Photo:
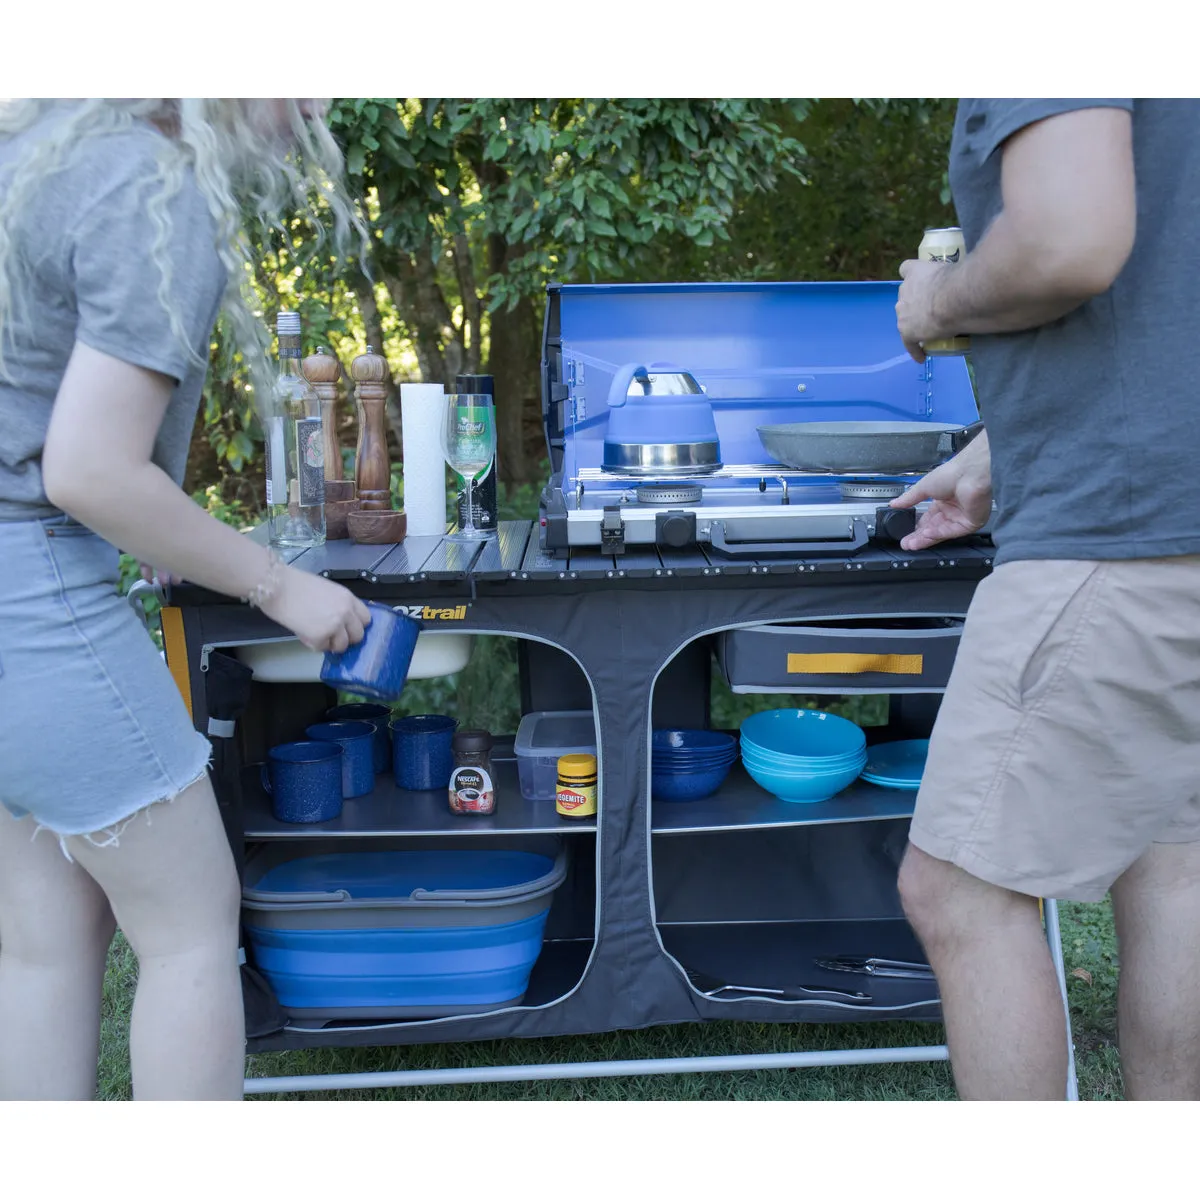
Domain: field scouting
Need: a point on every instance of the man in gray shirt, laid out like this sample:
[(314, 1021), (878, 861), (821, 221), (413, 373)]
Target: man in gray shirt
[(1066, 757)]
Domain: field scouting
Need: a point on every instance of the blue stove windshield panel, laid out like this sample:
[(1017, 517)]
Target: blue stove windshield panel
[(765, 353)]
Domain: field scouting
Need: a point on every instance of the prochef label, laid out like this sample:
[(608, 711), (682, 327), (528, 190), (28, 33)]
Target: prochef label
[(471, 790)]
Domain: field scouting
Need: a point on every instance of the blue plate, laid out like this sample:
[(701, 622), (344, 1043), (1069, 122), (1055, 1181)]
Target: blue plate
[(897, 764)]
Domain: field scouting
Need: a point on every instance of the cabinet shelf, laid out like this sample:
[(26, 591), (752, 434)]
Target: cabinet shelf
[(390, 811), (740, 803)]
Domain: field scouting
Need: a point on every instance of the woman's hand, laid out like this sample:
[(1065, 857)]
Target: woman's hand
[(322, 614), (151, 574)]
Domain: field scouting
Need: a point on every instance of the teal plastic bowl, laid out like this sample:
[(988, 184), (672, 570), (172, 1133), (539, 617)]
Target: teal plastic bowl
[(804, 732), (798, 762), (802, 789), (799, 769)]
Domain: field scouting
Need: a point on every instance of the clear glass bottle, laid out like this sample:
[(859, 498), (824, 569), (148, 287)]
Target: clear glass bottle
[(295, 450)]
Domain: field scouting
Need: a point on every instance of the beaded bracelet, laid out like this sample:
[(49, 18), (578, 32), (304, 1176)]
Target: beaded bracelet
[(264, 592)]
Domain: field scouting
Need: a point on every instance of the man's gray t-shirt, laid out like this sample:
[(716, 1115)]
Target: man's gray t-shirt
[(1093, 419), (89, 240)]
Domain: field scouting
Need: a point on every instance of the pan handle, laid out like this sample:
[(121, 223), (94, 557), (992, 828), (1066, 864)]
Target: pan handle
[(716, 539), (955, 441)]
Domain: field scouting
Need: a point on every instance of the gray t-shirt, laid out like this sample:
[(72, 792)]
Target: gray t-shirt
[(1093, 419), (89, 239)]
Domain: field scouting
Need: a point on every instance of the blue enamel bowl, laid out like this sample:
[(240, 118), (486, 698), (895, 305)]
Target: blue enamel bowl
[(692, 786), (658, 767), (688, 741), (689, 758)]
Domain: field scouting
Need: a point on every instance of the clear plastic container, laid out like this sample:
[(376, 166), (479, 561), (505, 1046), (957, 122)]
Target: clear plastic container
[(542, 739)]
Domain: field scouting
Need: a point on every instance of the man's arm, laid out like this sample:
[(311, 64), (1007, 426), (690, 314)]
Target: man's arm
[(1066, 229)]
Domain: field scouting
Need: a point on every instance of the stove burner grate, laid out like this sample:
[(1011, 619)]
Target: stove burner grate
[(871, 489), (669, 493)]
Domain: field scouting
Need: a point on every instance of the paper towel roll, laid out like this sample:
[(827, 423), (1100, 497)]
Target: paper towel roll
[(421, 407)]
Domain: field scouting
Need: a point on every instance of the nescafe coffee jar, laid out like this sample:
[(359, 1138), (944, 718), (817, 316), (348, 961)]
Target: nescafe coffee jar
[(472, 789)]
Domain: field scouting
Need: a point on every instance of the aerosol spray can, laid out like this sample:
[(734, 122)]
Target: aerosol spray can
[(487, 509), (948, 246)]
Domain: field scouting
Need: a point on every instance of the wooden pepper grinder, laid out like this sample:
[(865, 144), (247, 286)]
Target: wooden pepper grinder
[(375, 522), (323, 371)]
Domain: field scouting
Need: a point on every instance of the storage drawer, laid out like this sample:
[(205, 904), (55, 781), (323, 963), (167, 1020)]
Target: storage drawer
[(901, 654)]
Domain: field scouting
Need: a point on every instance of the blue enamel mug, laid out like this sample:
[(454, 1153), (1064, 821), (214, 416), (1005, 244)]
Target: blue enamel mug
[(378, 666), (423, 751), (357, 740), (380, 716), (304, 780)]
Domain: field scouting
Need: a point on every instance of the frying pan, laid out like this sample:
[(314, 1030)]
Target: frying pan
[(865, 447)]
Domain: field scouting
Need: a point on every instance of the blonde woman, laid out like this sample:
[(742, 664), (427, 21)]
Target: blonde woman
[(119, 243)]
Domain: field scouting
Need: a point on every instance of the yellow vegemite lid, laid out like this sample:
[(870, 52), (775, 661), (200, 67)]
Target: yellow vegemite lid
[(577, 766)]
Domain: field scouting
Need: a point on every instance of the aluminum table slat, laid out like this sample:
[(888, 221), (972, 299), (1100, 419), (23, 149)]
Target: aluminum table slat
[(537, 564), (343, 559), (641, 563), (587, 563), (687, 560), (405, 562), (502, 556), (451, 560)]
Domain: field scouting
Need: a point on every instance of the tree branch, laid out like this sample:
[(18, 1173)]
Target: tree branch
[(472, 329), (404, 287)]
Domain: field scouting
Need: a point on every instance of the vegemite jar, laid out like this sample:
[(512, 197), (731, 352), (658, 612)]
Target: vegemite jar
[(575, 795)]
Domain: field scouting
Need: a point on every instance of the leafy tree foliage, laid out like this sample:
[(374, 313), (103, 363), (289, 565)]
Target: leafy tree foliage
[(473, 205)]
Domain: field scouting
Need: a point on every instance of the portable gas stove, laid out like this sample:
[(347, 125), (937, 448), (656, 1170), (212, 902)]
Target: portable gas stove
[(752, 511), (761, 354)]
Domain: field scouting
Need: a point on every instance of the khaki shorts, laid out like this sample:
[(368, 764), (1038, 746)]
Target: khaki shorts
[(1068, 740)]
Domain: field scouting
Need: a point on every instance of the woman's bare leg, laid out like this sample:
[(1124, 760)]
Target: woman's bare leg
[(172, 884), (55, 929)]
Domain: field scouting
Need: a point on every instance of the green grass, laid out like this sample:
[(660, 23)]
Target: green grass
[(1088, 944)]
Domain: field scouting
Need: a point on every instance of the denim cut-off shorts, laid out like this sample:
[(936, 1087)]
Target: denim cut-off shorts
[(92, 727)]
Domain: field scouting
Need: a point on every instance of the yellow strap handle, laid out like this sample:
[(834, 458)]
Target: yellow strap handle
[(855, 664)]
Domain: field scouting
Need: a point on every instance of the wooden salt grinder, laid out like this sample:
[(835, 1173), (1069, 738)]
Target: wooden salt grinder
[(375, 522)]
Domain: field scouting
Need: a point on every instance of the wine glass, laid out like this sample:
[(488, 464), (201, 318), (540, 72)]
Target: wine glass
[(469, 445)]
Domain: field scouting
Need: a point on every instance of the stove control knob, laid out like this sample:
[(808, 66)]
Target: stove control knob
[(675, 527), (894, 523)]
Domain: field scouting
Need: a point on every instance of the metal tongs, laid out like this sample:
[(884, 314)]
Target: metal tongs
[(712, 986), (883, 968)]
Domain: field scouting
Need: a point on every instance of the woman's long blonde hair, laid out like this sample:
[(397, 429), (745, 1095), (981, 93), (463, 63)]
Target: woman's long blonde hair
[(244, 169)]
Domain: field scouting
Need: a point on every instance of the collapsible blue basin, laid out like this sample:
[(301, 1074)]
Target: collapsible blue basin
[(398, 933)]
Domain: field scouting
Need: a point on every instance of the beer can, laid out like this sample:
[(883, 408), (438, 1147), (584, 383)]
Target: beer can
[(944, 245)]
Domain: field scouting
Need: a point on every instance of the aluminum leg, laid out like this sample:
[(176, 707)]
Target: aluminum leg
[(1054, 937), (595, 1070)]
